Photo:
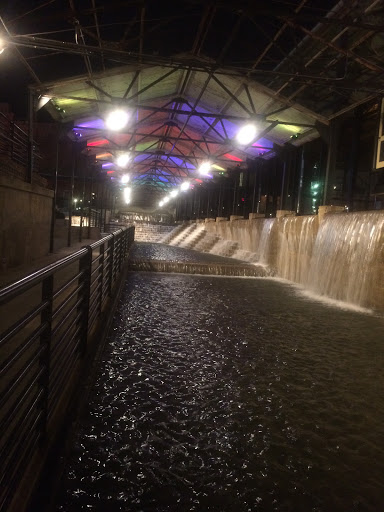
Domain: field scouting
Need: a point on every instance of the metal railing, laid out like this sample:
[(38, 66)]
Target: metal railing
[(47, 320), (14, 144)]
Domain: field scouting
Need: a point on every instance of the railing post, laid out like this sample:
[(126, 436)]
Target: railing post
[(101, 275), (86, 268), (111, 262), (45, 341)]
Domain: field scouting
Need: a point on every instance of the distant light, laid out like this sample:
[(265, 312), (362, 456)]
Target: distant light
[(174, 193), (204, 168), (117, 120), (161, 203), (125, 178), (246, 134), (184, 186), (218, 167), (165, 200), (123, 159), (127, 195)]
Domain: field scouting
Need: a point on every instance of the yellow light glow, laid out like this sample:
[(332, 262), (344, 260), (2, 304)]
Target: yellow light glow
[(103, 155), (217, 167)]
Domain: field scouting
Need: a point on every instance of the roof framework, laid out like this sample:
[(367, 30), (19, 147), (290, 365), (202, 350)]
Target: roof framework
[(191, 73)]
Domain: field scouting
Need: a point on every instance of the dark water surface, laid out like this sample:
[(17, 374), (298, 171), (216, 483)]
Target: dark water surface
[(220, 394)]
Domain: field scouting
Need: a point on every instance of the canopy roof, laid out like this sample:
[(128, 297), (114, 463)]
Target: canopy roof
[(191, 73)]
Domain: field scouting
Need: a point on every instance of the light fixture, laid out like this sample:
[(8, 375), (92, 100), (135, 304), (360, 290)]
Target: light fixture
[(124, 178), (246, 134), (174, 193), (127, 195), (117, 119), (123, 159), (161, 203), (184, 186), (204, 168)]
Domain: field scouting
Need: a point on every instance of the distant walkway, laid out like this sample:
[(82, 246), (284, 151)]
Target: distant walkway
[(15, 274)]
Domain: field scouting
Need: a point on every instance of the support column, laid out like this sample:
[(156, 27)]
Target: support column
[(331, 158)]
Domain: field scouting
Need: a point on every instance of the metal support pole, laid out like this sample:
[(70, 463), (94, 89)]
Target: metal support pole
[(53, 218), (332, 156), (31, 115), (70, 209)]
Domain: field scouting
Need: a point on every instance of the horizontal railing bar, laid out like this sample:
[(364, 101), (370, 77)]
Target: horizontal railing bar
[(7, 492), (12, 331), (15, 355), (65, 318), (70, 297), (61, 347), (28, 282), (10, 446), (21, 399), (19, 377), (62, 288)]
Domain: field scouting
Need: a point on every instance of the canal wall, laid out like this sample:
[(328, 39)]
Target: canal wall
[(335, 254)]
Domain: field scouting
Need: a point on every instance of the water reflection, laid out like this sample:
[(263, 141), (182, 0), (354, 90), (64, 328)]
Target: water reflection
[(231, 395)]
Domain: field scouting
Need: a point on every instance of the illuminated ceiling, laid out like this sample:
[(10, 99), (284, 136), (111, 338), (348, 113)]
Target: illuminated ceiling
[(192, 73)]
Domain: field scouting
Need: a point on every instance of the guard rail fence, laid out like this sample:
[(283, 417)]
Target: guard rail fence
[(48, 324)]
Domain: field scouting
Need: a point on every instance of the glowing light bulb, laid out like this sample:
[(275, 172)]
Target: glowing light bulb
[(125, 179), (117, 120), (123, 159), (204, 168), (174, 193), (161, 203), (184, 186), (246, 134)]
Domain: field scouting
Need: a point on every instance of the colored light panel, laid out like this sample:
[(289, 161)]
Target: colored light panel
[(233, 157), (98, 142)]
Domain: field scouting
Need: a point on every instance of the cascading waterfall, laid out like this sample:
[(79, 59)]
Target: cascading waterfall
[(342, 259), (296, 237), (348, 258)]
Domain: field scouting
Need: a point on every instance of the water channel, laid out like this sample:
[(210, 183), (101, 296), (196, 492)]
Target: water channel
[(231, 394)]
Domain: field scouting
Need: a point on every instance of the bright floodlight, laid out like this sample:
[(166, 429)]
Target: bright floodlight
[(117, 120), (204, 168), (246, 134), (161, 203), (127, 195), (123, 159), (184, 186), (125, 178), (174, 193), (165, 200)]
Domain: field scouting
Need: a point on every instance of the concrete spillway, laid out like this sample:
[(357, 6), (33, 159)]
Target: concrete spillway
[(341, 257)]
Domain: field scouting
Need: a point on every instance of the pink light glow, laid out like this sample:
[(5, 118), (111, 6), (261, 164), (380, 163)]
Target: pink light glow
[(98, 142), (232, 157)]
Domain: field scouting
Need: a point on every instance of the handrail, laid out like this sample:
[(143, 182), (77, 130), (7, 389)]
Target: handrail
[(58, 307)]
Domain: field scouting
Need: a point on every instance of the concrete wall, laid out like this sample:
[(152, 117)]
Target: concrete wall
[(151, 232), (25, 220)]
